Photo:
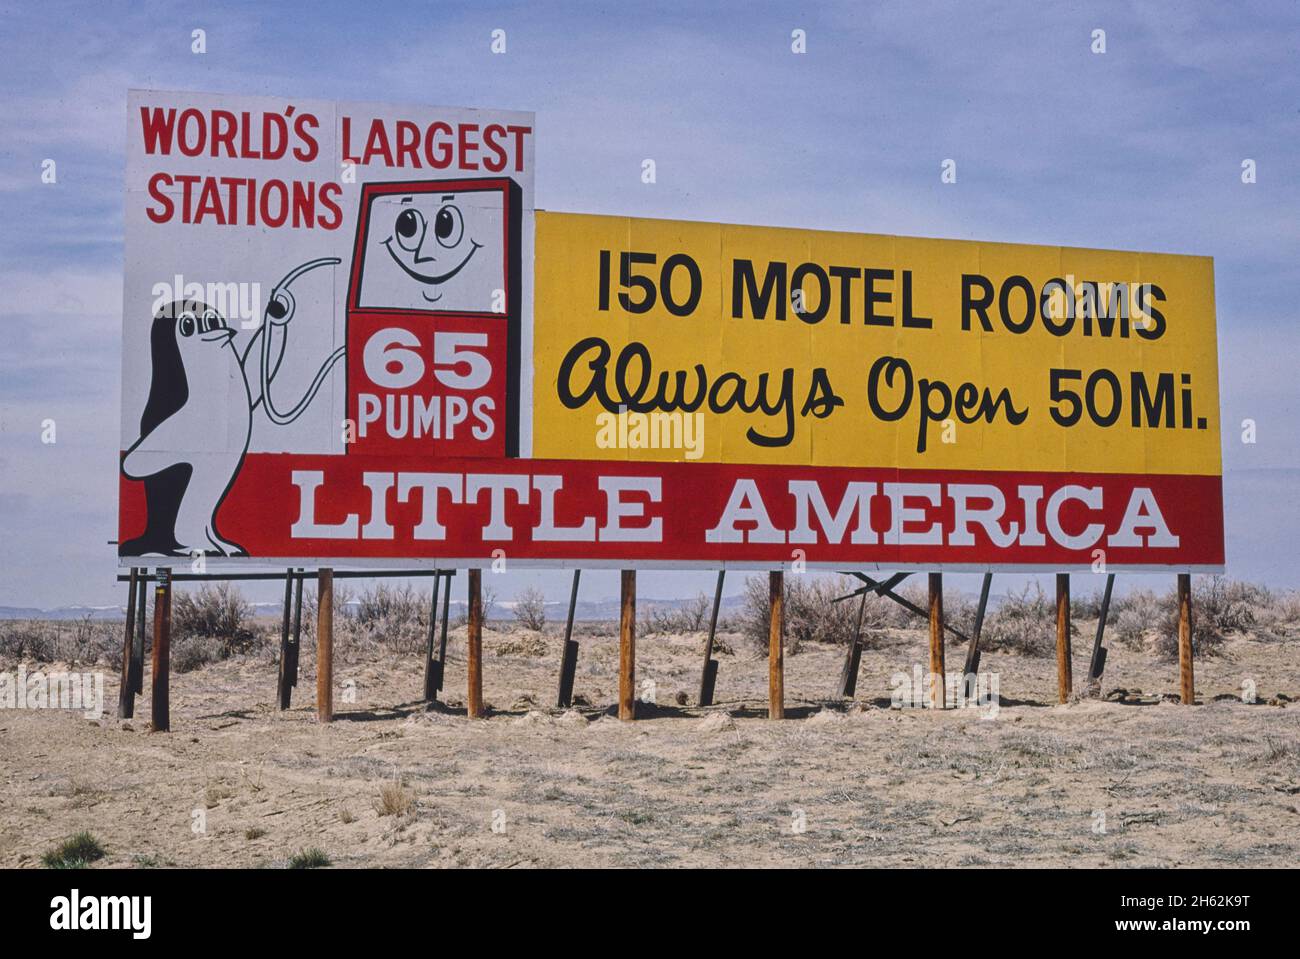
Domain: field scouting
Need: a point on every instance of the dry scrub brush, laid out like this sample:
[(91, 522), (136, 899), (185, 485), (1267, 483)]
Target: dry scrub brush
[(1220, 608), (1024, 622), (211, 624), (811, 613), (530, 609), (81, 641), (691, 616), (394, 617)]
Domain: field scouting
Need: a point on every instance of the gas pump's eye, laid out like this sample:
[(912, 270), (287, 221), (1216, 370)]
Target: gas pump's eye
[(409, 229), (188, 323), (448, 226)]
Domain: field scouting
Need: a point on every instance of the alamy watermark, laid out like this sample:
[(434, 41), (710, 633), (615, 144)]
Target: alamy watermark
[(53, 690), (920, 690), (658, 430), (240, 302)]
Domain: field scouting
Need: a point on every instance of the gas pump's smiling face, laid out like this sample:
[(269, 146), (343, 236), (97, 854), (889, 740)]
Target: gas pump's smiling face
[(429, 241)]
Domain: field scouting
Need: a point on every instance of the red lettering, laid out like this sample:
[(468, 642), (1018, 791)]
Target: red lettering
[(520, 133), (377, 144), (442, 158), (466, 147), (278, 218), (491, 138), (328, 194), (156, 126), (166, 208), (303, 127), (408, 142), (191, 118), (223, 132)]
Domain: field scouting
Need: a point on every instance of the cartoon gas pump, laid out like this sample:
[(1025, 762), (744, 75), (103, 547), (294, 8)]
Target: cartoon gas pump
[(433, 319)]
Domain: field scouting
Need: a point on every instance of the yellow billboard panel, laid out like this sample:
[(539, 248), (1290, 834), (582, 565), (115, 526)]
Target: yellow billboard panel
[(662, 340)]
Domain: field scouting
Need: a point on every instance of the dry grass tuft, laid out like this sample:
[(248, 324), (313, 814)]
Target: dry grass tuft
[(395, 800)]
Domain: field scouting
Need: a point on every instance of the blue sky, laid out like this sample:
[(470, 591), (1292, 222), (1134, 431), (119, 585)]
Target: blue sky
[(1137, 148)]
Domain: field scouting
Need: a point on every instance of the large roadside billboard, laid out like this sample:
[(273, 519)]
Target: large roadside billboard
[(340, 348)]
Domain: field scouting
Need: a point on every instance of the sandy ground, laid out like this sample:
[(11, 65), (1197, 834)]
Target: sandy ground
[(1138, 782)]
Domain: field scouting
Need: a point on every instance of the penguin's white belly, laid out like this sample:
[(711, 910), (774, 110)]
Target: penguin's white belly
[(215, 422)]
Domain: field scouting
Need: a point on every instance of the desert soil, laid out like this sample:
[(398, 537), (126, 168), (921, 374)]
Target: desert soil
[(1136, 781)]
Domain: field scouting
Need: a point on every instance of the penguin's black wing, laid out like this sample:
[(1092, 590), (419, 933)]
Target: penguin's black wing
[(165, 478)]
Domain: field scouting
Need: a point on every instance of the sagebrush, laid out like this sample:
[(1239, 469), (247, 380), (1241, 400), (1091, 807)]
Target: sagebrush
[(691, 616), (1024, 622), (530, 609), (811, 613), (1220, 607), (211, 624)]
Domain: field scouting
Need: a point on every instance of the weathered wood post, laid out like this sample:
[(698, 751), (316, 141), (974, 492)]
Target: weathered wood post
[(775, 645), (283, 685), (569, 654), (446, 614), (432, 667), (853, 659), (627, 646), (295, 643), (325, 645), (474, 646), (938, 685), (970, 672), (1064, 669), (125, 694), (1185, 673), (162, 635), (141, 619), (1098, 662), (709, 677)]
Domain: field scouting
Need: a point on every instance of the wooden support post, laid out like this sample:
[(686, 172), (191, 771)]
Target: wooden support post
[(137, 649), (295, 644), (938, 687), (1098, 650), (1186, 678), (1064, 667), (853, 660), (286, 613), (162, 634), (325, 645), (282, 685), (776, 645), (432, 665), (709, 677), (569, 653), (125, 694), (627, 646), (972, 667), (474, 646), (442, 642)]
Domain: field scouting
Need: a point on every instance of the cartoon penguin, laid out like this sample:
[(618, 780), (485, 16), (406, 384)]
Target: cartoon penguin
[(198, 418), (198, 380)]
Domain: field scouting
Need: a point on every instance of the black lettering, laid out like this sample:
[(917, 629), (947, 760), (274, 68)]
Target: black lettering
[(871, 297), (981, 306), (1021, 283), (744, 282)]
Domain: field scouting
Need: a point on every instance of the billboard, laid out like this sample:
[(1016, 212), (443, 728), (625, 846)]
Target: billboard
[(892, 400), (309, 281), (341, 348)]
